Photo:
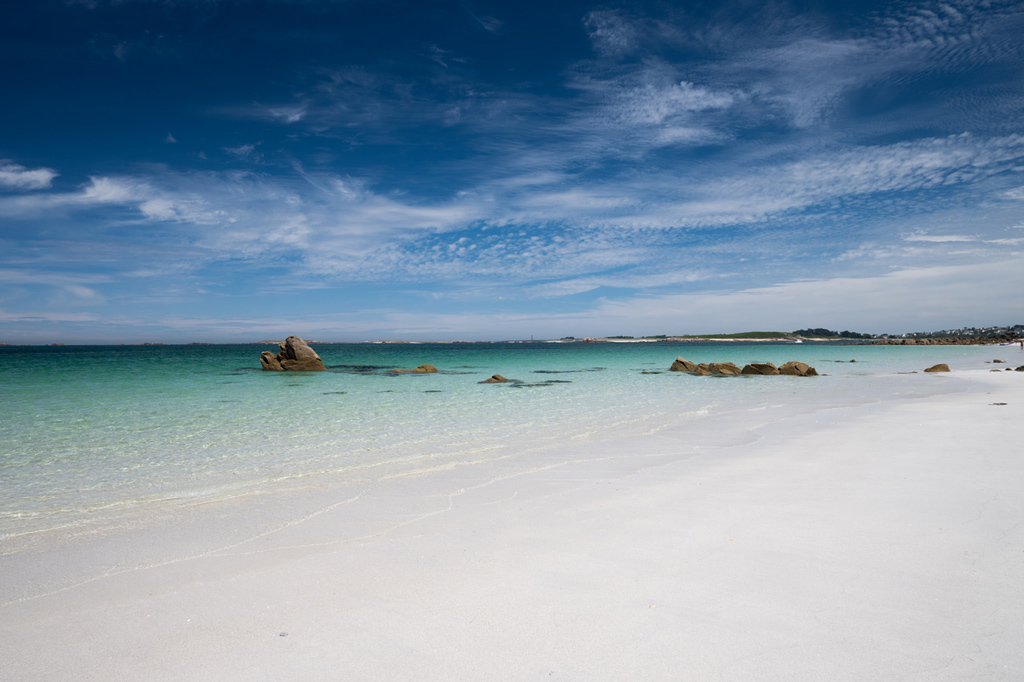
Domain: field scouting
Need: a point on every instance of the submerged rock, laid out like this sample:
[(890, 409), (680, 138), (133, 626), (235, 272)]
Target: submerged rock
[(496, 379), (295, 356), (942, 367), (422, 369)]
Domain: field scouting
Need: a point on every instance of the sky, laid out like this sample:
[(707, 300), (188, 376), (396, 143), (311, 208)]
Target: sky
[(352, 170)]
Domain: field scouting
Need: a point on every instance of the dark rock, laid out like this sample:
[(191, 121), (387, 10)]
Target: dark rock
[(999, 362), (681, 365), (496, 379), (295, 356), (763, 368), (1019, 369), (942, 367)]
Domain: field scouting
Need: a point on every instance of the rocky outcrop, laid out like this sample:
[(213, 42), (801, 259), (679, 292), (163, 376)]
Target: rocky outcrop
[(945, 341), (496, 379), (762, 368), (797, 369), (720, 369), (725, 369), (942, 367), (295, 356), (422, 369), (681, 365)]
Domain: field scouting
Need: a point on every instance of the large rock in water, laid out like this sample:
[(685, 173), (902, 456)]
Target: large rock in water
[(798, 369), (295, 356), (763, 368), (943, 367), (681, 365), (725, 369)]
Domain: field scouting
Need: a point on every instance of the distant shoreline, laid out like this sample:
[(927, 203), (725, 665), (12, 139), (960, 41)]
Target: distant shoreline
[(745, 337)]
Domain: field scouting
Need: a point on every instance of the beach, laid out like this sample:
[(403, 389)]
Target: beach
[(880, 540)]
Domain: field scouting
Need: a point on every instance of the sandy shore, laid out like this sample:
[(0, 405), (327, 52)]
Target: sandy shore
[(877, 542)]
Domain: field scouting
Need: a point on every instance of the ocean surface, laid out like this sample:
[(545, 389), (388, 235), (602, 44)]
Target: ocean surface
[(93, 436)]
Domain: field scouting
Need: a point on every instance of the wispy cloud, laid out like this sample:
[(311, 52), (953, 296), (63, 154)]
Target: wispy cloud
[(610, 33), (17, 177)]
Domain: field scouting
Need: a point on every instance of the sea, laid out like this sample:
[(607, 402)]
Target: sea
[(96, 436)]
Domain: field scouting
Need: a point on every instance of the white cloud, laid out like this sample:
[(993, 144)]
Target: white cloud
[(903, 300), (241, 151), (288, 114), (653, 105), (939, 239), (35, 317), (17, 177)]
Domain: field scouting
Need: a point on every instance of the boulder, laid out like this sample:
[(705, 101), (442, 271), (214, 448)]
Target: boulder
[(797, 369), (702, 370), (724, 369), (295, 356), (763, 368), (1019, 369), (681, 365), (999, 362), (938, 368), (496, 379)]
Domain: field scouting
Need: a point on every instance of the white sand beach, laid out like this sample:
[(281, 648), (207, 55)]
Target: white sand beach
[(883, 541)]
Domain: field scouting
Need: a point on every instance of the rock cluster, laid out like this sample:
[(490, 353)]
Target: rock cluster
[(295, 356), (791, 368), (943, 341), (422, 369)]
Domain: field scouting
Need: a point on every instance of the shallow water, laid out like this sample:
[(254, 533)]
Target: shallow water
[(94, 434)]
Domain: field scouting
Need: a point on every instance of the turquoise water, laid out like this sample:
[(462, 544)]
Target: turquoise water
[(94, 434)]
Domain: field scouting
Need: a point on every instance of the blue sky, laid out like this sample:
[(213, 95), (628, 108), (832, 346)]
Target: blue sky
[(214, 170)]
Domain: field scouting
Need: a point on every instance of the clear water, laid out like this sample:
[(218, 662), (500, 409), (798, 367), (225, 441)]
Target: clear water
[(92, 434)]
